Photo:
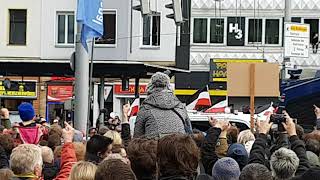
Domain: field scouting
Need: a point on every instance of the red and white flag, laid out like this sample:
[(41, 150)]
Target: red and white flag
[(218, 108), (134, 108), (200, 99)]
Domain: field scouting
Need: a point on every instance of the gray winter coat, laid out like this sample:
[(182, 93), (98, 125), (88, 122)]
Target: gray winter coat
[(157, 118)]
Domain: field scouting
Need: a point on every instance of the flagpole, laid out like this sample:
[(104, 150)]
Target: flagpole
[(90, 88), (81, 84)]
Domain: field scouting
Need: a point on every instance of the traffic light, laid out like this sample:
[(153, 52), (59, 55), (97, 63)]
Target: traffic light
[(144, 7), (177, 11)]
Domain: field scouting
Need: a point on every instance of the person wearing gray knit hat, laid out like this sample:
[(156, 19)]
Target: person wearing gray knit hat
[(313, 159), (226, 169), (161, 113)]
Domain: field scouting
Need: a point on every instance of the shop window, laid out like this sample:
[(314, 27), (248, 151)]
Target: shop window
[(151, 30), (200, 30), (109, 29), (272, 31), (18, 26), (216, 30), (255, 31), (65, 28)]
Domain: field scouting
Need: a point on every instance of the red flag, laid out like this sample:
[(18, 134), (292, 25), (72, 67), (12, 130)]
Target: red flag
[(202, 99), (134, 108)]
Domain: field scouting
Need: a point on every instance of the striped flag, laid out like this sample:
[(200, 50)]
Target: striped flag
[(218, 108), (200, 99), (134, 108)]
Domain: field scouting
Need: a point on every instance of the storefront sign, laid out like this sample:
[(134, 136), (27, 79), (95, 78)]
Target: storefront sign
[(59, 93), (218, 68), (19, 89), (118, 89), (55, 78), (236, 31)]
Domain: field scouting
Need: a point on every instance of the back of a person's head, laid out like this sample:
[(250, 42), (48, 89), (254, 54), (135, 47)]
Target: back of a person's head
[(47, 154), (284, 163), (6, 174), (80, 149), (255, 171), (238, 153), (232, 134), (226, 169), (313, 145), (177, 154), (313, 159), (245, 136), (26, 111), (114, 169), (198, 137), (54, 140), (57, 152), (98, 143), (115, 136), (83, 170), (143, 157), (25, 158), (102, 130), (55, 129), (7, 142)]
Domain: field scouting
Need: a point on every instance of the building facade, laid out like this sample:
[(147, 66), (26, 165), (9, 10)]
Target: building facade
[(45, 31), (243, 30)]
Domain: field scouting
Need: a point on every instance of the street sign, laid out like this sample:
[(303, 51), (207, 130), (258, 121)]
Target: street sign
[(297, 40)]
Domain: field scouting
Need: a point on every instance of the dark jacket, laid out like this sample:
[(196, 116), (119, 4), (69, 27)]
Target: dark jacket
[(125, 133), (258, 152), (50, 171), (160, 114), (208, 149), (4, 160)]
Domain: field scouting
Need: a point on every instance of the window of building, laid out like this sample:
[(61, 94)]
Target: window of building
[(296, 19), (65, 28), (151, 30), (314, 27), (272, 33), (200, 30), (18, 26), (109, 30), (216, 30), (255, 31)]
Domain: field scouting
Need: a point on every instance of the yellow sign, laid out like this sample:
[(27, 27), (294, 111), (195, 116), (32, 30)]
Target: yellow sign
[(218, 67), (18, 89), (299, 28)]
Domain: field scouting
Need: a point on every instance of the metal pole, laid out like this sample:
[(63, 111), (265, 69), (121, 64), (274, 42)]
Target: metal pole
[(90, 89), (101, 120), (252, 95), (287, 18), (81, 86)]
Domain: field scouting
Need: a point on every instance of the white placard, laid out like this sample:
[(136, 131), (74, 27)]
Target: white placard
[(297, 40)]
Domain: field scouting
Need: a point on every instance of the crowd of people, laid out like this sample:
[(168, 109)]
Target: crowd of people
[(163, 146)]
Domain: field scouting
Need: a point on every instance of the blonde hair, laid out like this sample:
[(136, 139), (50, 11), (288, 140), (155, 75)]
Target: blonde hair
[(47, 154), (115, 136), (6, 174), (245, 136), (83, 170), (80, 149), (25, 158)]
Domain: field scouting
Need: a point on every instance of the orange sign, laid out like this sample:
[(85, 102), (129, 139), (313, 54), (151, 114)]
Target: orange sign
[(118, 89)]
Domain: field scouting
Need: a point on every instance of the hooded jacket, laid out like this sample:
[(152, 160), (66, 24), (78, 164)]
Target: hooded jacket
[(161, 114)]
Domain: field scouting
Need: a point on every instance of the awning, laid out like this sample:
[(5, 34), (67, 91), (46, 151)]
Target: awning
[(111, 69)]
